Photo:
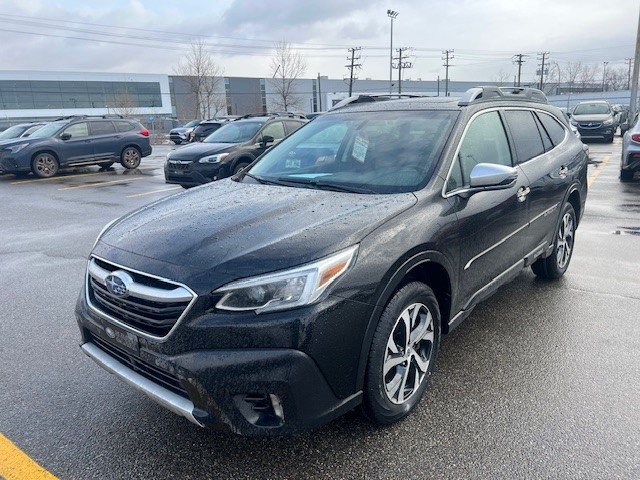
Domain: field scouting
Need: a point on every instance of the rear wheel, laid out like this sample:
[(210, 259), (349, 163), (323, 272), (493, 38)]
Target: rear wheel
[(626, 175), (130, 158), (554, 266), (44, 165), (403, 354)]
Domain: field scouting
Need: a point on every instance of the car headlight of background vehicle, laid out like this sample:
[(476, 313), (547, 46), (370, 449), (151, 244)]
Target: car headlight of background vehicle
[(213, 158), (287, 289), (17, 148)]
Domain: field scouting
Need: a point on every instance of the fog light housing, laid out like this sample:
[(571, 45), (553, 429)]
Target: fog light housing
[(261, 409)]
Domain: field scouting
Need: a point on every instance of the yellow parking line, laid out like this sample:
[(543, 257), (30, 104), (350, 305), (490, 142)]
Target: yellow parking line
[(17, 465), (62, 177), (598, 169), (97, 184), (152, 192)]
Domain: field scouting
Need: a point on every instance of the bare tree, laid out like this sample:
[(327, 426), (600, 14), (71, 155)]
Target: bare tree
[(588, 75), (124, 104), (213, 100), (572, 71), (501, 78), (616, 78), (287, 66), (554, 79), (203, 76)]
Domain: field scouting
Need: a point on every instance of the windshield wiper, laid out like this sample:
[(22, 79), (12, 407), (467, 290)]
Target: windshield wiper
[(256, 178), (336, 187)]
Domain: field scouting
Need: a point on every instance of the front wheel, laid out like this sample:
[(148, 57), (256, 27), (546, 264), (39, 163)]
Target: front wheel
[(554, 266), (177, 142), (130, 158), (239, 167), (626, 175), (44, 165), (403, 354), (610, 139)]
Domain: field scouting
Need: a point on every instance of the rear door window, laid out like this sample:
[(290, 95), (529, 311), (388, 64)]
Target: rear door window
[(484, 142), (553, 128), (275, 130), (102, 128), (546, 141), (526, 137), (293, 126)]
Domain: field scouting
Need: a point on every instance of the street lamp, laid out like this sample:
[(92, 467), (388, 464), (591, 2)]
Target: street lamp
[(604, 73), (392, 15)]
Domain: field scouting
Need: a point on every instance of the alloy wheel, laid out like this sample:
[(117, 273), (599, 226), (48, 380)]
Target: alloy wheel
[(565, 240), (408, 353), (46, 165), (131, 158)]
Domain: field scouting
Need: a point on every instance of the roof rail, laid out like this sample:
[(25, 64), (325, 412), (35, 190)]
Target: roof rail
[(272, 115), (372, 98), (525, 94), (71, 117)]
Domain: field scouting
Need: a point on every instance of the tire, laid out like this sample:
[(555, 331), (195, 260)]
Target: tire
[(45, 165), (554, 266), (130, 158), (106, 166), (626, 175), (186, 187), (239, 167), (392, 395), (610, 139), (177, 142)]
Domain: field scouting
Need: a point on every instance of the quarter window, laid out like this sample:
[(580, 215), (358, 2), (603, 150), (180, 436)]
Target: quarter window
[(553, 128), (78, 130), (526, 137), (124, 126), (484, 142)]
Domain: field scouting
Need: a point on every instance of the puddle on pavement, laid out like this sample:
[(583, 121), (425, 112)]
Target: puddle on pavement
[(627, 231)]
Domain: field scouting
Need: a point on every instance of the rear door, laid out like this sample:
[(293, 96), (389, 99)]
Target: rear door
[(492, 224), (78, 148), (541, 156), (104, 139)]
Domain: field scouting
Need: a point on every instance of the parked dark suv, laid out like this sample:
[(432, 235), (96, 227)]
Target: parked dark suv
[(323, 276), (76, 141), (227, 150)]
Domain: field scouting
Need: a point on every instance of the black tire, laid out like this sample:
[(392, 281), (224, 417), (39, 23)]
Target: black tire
[(239, 167), (553, 267), (130, 158), (177, 142), (186, 187), (45, 165), (378, 404), (106, 166), (610, 139), (626, 175)]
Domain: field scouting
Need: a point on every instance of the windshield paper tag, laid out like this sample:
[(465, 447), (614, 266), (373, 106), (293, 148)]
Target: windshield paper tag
[(360, 147)]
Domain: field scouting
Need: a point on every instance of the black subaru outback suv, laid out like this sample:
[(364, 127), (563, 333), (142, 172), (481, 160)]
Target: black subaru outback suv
[(325, 274), (227, 150), (74, 142)]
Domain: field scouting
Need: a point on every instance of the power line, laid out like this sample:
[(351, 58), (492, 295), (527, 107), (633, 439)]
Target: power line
[(352, 66), (401, 64), (519, 59), (448, 56)]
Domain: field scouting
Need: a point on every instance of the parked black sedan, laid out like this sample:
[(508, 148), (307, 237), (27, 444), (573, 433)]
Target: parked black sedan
[(227, 150)]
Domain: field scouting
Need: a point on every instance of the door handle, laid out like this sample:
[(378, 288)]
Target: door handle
[(522, 193), (564, 170)]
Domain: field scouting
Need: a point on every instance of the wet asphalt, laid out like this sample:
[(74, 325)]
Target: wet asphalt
[(542, 380)]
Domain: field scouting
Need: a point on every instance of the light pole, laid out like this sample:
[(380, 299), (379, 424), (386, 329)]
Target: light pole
[(604, 75), (392, 15)]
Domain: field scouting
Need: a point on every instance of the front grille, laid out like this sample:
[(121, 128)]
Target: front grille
[(135, 363), (151, 306), (591, 125), (179, 165)]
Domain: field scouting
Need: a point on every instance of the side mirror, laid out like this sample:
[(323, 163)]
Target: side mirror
[(490, 176), (65, 136), (266, 140), (569, 114)]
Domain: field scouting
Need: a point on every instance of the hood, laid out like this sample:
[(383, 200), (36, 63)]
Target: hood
[(592, 117), (17, 141), (243, 229), (199, 149)]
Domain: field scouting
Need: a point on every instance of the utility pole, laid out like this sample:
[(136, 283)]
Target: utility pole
[(319, 94), (352, 66), (401, 64), (447, 57), (519, 59), (438, 85), (629, 63), (392, 15), (634, 78), (543, 57), (604, 75)]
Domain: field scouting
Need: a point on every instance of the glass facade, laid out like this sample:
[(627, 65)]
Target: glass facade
[(49, 94)]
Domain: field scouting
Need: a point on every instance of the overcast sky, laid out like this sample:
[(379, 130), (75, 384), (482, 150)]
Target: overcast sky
[(152, 36)]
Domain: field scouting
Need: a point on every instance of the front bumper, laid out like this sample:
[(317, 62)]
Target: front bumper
[(601, 132), (10, 163), (178, 136), (192, 173)]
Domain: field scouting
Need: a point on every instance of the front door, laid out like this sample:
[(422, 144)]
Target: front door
[(105, 139), (492, 224), (78, 147)]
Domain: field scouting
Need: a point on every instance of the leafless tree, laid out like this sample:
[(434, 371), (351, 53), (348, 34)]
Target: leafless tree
[(588, 75), (572, 71), (203, 76), (554, 78), (501, 78), (124, 104), (616, 78), (287, 66)]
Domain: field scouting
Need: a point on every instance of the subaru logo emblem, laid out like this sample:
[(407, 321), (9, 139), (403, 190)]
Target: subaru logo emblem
[(110, 333), (117, 283)]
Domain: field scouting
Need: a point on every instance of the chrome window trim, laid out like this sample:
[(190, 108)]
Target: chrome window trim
[(129, 328), (457, 191), (500, 242)]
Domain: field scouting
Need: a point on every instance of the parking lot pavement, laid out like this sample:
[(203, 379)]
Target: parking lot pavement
[(542, 381)]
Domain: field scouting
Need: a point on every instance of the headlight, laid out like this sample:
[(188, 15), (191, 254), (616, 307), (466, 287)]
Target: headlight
[(573, 122), (103, 231), (213, 158), (16, 148), (288, 289), (608, 123)]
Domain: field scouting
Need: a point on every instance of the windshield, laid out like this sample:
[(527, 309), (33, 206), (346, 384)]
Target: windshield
[(235, 132), (12, 132), (381, 152), (592, 109), (192, 123), (48, 130)]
